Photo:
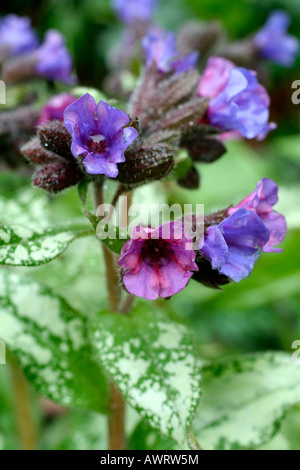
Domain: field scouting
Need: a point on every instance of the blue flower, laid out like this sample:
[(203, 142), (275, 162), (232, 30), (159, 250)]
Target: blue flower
[(235, 244), (53, 60), (16, 35), (133, 11), (98, 134), (242, 105), (273, 42), (261, 201), (161, 49)]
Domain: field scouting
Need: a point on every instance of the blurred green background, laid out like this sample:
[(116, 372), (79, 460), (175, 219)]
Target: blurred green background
[(258, 314)]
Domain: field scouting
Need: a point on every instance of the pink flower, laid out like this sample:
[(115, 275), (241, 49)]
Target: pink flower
[(157, 262), (55, 107)]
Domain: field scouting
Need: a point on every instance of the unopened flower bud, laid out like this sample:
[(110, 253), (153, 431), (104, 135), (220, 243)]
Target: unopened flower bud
[(37, 154), (55, 138), (207, 275), (57, 176), (146, 164), (203, 149)]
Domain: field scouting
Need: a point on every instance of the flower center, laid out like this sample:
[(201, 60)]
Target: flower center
[(156, 251), (97, 143)]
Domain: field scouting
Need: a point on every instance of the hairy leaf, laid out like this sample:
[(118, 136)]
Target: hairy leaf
[(49, 338), (245, 400), (153, 362), (21, 246)]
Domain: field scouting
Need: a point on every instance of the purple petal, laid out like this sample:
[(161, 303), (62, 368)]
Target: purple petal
[(53, 60), (109, 119), (96, 164), (132, 11), (215, 247), (243, 105), (244, 234), (17, 35), (261, 201), (80, 122), (185, 63), (273, 42), (215, 76)]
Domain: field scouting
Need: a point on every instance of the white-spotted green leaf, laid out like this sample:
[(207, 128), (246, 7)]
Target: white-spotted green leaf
[(21, 246), (153, 362), (245, 400), (49, 339)]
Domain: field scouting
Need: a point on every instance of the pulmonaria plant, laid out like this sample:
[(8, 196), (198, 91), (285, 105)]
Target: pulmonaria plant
[(99, 134), (238, 101), (156, 262), (173, 121), (234, 239), (51, 61), (234, 245), (261, 201), (16, 36), (274, 43), (134, 11), (160, 49)]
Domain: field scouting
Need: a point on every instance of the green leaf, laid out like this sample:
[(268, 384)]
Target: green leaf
[(20, 246), (116, 241), (83, 188), (49, 338), (245, 400), (79, 430), (153, 362)]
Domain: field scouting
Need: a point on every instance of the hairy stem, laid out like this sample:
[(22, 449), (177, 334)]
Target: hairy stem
[(116, 424), (116, 432), (25, 423)]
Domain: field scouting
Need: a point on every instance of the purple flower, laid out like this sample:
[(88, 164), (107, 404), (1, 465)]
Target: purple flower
[(235, 244), (98, 134), (17, 35), (156, 262), (160, 49), (53, 60), (55, 107), (215, 76), (261, 201), (273, 42), (242, 105), (133, 11)]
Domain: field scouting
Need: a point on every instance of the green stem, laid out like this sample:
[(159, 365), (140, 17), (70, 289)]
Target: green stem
[(25, 422)]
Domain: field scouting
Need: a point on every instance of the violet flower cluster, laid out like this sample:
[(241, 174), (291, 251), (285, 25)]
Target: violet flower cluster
[(238, 101), (161, 49), (133, 11), (155, 265), (24, 57), (172, 108), (274, 43), (17, 36)]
